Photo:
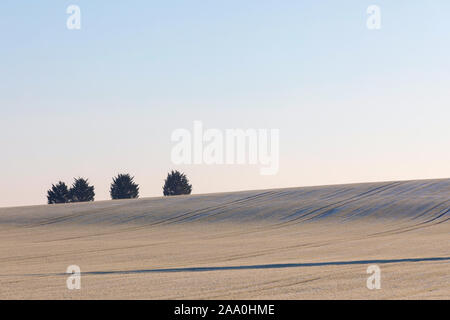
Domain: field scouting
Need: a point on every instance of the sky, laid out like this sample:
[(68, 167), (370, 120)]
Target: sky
[(351, 104)]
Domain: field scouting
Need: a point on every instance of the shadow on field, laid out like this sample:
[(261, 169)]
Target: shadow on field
[(270, 266)]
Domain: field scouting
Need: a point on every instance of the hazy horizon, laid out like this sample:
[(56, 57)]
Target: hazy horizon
[(352, 104)]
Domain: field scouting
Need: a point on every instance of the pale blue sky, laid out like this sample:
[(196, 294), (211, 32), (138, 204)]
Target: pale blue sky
[(351, 104)]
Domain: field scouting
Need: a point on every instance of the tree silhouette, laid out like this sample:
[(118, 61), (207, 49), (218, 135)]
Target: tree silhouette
[(81, 191), (123, 187), (59, 193), (176, 184)]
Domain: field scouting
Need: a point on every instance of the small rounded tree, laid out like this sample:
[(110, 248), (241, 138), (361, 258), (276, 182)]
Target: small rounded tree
[(59, 193), (176, 184), (81, 191), (123, 187)]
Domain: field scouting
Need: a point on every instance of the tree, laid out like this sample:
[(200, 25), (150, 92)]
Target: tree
[(176, 184), (59, 193), (123, 187), (81, 191)]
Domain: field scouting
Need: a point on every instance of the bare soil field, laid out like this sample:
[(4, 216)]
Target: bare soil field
[(296, 243)]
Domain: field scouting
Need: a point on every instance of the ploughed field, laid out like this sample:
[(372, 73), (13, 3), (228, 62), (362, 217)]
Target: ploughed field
[(296, 243)]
